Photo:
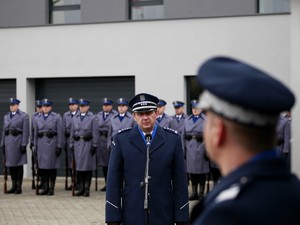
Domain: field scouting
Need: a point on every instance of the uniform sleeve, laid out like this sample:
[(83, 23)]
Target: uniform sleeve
[(95, 131), (113, 208), (181, 203), (2, 134), (25, 130), (59, 131)]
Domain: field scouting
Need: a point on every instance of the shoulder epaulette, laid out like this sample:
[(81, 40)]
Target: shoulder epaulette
[(171, 130), (125, 129)]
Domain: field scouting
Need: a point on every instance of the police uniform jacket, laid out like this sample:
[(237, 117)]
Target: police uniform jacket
[(103, 152), (177, 125), (84, 135), (283, 131), (195, 149), (117, 125), (259, 192), (67, 123), (168, 199), (15, 134), (48, 136), (164, 121)]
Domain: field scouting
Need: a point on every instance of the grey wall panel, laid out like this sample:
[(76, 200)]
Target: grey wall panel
[(103, 11), (94, 89), (204, 8), (7, 91), (23, 13)]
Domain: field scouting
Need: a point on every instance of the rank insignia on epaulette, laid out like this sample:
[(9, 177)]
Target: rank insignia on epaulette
[(128, 128), (169, 129)]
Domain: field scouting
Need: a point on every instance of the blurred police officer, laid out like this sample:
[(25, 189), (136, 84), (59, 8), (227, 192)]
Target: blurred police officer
[(15, 137), (162, 118), (48, 139), (197, 163), (168, 195), (283, 132), (67, 123), (84, 143), (119, 121), (177, 122), (242, 106), (38, 111), (104, 118)]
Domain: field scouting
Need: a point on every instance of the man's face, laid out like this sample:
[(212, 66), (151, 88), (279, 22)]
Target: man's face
[(46, 109), (161, 110), (122, 108), (107, 108), (196, 111), (84, 108), (13, 107), (145, 120), (179, 110), (73, 107)]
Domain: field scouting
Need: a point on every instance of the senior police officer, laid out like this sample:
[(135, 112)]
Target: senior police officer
[(15, 137), (242, 105), (162, 118), (126, 183), (67, 123), (122, 120), (197, 164), (48, 139), (84, 143), (104, 118)]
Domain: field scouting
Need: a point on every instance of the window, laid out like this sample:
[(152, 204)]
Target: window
[(146, 9), (274, 6), (64, 11)]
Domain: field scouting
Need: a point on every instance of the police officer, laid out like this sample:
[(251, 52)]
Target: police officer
[(197, 164), (15, 137), (126, 186), (84, 142), (177, 122), (67, 122), (242, 106), (38, 111), (48, 139), (123, 119), (162, 118), (104, 118)]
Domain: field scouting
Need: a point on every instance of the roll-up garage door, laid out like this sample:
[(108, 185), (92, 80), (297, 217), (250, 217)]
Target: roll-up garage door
[(7, 91), (59, 90)]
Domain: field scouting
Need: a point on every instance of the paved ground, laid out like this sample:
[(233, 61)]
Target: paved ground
[(59, 209)]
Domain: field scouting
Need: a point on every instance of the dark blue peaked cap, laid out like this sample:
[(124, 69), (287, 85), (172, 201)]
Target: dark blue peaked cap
[(83, 102), (143, 102), (107, 101), (73, 101), (46, 101), (14, 101), (161, 102), (244, 86)]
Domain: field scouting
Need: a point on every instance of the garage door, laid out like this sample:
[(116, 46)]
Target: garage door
[(94, 89), (7, 91)]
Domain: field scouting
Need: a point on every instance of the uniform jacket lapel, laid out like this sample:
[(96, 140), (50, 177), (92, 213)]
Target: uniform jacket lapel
[(158, 140), (136, 139)]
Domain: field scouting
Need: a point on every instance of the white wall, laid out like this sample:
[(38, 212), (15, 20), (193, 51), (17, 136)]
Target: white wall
[(158, 53)]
